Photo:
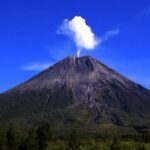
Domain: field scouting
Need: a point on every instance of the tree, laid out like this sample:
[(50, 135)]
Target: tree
[(12, 138), (31, 142), (115, 145), (73, 141), (44, 135), (2, 139), (140, 146), (94, 145), (145, 136)]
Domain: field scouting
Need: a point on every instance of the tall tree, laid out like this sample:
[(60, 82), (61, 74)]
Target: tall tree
[(44, 135), (2, 139), (115, 144), (12, 138), (32, 141), (74, 141)]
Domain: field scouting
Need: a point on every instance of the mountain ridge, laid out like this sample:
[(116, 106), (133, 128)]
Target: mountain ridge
[(70, 58)]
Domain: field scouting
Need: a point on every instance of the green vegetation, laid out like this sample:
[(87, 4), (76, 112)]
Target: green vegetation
[(99, 145), (42, 137)]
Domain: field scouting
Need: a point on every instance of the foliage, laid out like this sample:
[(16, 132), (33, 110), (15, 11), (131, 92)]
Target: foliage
[(42, 138), (32, 141), (12, 138), (115, 144), (2, 139), (44, 135), (73, 141)]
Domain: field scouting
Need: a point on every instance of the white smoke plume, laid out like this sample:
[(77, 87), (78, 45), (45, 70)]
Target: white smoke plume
[(110, 34), (80, 32)]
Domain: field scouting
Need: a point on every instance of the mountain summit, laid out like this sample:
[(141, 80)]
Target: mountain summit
[(78, 92)]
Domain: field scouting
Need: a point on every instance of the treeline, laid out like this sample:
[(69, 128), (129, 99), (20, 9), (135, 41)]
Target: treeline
[(35, 139), (43, 138)]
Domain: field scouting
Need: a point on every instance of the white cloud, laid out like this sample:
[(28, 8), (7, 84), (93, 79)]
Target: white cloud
[(78, 30), (110, 34), (82, 34), (36, 66)]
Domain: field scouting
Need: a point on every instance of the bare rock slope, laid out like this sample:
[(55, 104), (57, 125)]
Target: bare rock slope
[(78, 91)]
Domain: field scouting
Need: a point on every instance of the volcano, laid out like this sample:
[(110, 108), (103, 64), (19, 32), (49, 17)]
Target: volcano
[(79, 93)]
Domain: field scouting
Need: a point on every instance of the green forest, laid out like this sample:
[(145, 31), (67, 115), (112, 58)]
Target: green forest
[(43, 137)]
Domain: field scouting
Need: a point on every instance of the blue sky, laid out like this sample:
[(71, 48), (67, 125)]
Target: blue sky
[(29, 43)]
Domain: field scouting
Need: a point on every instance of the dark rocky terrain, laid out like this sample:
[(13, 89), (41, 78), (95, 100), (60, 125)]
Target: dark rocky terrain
[(79, 93)]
